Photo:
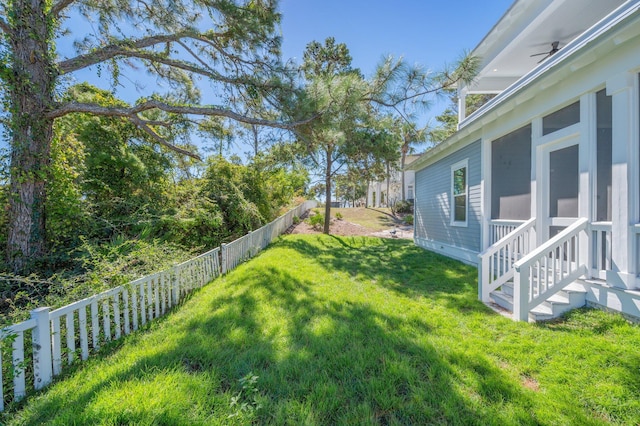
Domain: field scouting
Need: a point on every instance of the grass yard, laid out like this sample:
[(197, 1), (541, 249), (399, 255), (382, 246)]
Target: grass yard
[(375, 219), (323, 330)]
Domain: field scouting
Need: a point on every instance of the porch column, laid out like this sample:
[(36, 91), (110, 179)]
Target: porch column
[(462, 104), (538, 180), (586, 147), (485, 182), (624, 187)]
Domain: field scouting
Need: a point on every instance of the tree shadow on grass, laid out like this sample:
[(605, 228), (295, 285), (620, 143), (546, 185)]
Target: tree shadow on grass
[(397, 265), (320, 358), (389, 215)]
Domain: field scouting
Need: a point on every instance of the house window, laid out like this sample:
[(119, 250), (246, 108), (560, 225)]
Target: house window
[(410, 192), (564, 117), (459, 185)]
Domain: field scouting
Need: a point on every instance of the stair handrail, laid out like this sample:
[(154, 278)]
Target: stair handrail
[(545, 271), (496, 262)]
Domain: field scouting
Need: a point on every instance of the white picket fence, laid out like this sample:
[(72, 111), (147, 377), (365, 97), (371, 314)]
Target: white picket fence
[(68, 334), (246, 247)]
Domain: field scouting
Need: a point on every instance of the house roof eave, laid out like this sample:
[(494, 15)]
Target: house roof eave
[(474, 122)]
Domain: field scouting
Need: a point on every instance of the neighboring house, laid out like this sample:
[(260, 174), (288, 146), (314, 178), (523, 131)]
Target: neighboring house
[(378, 196), (540, 187)]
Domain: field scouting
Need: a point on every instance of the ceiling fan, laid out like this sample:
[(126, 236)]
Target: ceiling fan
[(554, 49)]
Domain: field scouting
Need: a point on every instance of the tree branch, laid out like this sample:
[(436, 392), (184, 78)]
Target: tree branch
[(60, 6), (162, 141), (234, 58), (126, 48), (131, 113), (130, 50)]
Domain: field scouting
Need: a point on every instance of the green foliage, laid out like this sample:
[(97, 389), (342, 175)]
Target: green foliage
[(402, 207), (109, 186), (106, 181), (326, 60), (408, 219), (339, 91), (233, 47), (339, 216), (239, 194), (247, 400), (448, 120), (352, 185), (248, 196), (98, 266), (198, 222), (316, 220), (67, 209)]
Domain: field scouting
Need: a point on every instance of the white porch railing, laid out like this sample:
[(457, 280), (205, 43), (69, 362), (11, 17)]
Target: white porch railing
[(548, 268), (600, 249), (496, 263), (500, 228), (65, 335)]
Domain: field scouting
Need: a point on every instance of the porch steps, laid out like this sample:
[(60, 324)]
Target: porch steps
[(571, 297)]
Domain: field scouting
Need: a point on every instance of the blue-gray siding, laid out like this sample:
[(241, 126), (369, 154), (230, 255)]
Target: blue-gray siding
[(433, 200)]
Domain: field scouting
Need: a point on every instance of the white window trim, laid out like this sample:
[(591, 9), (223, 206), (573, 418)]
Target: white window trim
[(457, 166)]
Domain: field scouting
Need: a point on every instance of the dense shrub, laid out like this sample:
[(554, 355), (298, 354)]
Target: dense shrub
[(402, 207), (115, 198), (99, 267), (316, 220)]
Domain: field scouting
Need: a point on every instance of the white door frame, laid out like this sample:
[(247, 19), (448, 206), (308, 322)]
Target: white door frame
[(546, 145)]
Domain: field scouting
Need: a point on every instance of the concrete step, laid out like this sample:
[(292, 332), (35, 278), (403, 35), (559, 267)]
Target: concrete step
[(575, 287), (503, 299), (571, 297), (508, 288), (541, 313)]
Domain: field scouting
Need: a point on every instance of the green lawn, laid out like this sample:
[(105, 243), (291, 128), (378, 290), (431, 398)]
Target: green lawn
[(375, 219), (352, 330)]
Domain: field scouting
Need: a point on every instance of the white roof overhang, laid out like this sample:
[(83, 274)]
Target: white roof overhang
[(618, 27), (529, 28)]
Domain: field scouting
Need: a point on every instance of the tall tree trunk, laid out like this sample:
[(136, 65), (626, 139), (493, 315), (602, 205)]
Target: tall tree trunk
[(366, 197), (30, 97), (405, 149), (388, 179), (353, 196), (327, 198)]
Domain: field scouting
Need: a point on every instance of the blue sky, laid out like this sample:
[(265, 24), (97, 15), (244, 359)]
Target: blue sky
[(424, 31), (431, 33)]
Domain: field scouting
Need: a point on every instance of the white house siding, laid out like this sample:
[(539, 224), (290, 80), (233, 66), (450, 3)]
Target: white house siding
[(433, 228), (377, 196)]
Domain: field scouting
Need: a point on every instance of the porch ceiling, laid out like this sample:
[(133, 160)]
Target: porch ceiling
[(527, 28)]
